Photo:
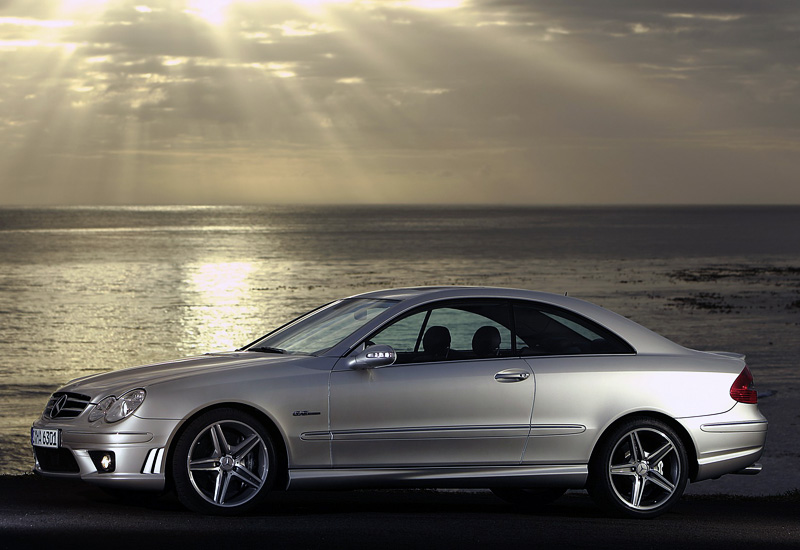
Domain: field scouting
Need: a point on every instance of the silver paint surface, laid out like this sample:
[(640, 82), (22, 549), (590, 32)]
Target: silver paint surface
[(453, 423)]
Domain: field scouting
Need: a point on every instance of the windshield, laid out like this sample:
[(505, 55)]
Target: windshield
[(323, 328)]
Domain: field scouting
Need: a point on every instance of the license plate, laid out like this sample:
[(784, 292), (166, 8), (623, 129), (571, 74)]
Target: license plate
[(45, 438)]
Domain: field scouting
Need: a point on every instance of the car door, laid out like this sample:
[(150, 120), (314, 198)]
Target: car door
[(468, 404), (577, 364)]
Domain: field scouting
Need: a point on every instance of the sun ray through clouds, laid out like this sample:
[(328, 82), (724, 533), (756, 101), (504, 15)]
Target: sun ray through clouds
[(206, 101), (143, 95), (364, 114)]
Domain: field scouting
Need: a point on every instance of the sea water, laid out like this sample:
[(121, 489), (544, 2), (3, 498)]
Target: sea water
[(85, 290)]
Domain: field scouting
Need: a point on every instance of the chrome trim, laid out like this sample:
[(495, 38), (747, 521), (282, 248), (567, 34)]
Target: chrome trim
[(106, 438), (66, 405), (461, 432), (751, 470), (566, 429), (434, 432), (572, 475), (148, 462), (152, 464), (316, 436), (512, 375), (734, 427)]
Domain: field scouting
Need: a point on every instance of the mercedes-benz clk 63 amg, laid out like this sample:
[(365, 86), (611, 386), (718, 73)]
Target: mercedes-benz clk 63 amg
[(526, 393)]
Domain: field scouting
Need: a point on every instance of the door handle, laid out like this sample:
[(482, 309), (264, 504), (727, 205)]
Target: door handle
[(511, 376)]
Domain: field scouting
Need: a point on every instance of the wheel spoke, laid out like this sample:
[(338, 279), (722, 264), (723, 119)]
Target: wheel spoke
[(218, 482), (636, 447), (661, 481), (637, 490), (242, 449), (211, 463), (225, 486), (220, 443), (659, 455), (247, 476), (623, 470)]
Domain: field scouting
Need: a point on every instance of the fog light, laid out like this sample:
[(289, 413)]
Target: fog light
[(103, 461)]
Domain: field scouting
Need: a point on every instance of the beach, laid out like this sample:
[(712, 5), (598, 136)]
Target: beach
[(85, 290)]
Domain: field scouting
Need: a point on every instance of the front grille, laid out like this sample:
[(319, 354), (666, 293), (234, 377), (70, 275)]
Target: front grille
[(72, 406), (56, 460)]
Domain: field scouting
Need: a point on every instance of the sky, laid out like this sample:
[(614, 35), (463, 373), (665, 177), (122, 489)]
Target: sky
[(522, 102)]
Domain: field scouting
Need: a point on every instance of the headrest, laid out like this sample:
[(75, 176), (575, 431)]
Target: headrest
[(436, 340), (486, 342)]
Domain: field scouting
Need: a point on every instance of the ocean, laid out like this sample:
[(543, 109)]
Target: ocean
[(89, 289)]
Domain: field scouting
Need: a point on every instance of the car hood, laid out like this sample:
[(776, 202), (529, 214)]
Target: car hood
[(115, 382)]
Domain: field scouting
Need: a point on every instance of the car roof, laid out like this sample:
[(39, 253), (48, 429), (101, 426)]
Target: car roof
[(441, 292), (435, 293), (641, 338)]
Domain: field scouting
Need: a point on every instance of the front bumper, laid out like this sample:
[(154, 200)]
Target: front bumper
[(727, 443), (138, 446)]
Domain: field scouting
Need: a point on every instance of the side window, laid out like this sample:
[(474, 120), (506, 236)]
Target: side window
[(454, 331), (403, 334), (464, 324), (546, 330)]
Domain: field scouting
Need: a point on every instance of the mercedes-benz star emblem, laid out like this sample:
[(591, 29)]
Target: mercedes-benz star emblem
[(58, 405)]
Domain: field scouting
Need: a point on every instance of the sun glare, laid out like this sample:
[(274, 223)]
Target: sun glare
[(319, 3), (70, 6), (213, 11)]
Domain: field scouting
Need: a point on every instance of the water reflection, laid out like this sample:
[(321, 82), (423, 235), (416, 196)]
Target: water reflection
[(219, 306)]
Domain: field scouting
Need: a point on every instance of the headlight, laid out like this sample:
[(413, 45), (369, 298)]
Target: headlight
[(114, 409), (100, 409)]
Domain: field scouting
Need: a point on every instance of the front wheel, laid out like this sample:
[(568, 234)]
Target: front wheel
[(640, 469), (224, 463)]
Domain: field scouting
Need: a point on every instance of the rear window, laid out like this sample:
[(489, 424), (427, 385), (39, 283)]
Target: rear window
[(547, 330)]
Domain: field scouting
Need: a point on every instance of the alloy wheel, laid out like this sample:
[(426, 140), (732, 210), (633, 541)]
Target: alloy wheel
[(224, 462), (639, 469), (644, 469)]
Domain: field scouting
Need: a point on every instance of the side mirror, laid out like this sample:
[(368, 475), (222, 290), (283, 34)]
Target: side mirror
[(373, 357)]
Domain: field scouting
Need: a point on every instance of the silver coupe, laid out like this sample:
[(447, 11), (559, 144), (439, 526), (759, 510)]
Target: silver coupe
[(526, 393)]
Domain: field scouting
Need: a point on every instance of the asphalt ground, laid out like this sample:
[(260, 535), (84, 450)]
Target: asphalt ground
[(46, 513)]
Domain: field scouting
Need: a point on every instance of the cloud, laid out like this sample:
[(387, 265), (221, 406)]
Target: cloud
[(398, 99)]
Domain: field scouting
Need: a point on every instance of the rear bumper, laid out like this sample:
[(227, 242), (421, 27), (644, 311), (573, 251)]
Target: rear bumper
[(728, 443)]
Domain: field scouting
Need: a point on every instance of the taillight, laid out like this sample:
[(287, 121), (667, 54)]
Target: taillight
[(742, 389)]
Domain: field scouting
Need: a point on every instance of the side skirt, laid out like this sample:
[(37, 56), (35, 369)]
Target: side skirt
[(572, 476)]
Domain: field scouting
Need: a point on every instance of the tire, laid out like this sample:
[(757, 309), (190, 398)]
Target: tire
[(223, 463), (529, 498), (640, 469)]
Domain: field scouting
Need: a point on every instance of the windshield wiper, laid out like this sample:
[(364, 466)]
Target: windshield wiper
[(266, 349)]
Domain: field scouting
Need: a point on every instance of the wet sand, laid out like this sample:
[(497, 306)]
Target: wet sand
[(36, 512)]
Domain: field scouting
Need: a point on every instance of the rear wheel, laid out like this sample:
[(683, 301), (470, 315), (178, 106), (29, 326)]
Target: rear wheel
[(640, 469), (224, 463), (530, 498)]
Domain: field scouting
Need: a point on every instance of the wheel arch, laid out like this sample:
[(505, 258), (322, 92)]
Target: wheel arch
[(680, 430), (281, 449)]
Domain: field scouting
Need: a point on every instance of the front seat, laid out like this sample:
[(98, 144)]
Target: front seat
[(436, 343), (486, 342)]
